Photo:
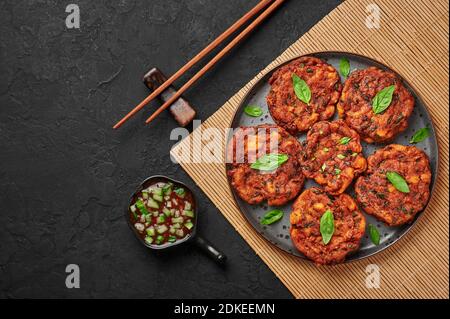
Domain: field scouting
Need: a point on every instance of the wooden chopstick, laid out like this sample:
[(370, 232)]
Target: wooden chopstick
[(211, 63), (244, 19)]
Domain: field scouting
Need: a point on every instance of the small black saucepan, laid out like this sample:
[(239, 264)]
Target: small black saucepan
[(204, 244)]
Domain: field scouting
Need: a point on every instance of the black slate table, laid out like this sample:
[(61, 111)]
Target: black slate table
[(65, 175)]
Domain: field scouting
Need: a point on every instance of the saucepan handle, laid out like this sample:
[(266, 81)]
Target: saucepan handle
[(210, 250)]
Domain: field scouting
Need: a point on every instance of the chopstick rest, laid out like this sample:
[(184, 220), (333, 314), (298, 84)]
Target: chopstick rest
[(181, 110)]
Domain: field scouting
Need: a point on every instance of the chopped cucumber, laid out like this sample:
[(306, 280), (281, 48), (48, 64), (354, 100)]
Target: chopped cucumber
[(187, 206), (188, 213), (167, 189), (172, 230), (148, 218), (133, 208), (157, 191), (150, 231), (189, 225), (167, 211), (176, 226), (158, 198), (177, 220), (141, 206), (172, 239), (155, 213), (159, 240), (152, 203), (161, 219), (161, 229), (166, 198), (149, 240), (144, 195), (180, 192), (179, 233), (169, 204)]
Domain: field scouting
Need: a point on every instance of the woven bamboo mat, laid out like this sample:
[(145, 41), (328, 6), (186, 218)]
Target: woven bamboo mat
[(413, 40)]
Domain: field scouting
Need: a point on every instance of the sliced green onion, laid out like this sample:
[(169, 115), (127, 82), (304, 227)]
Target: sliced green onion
[(189, 225)]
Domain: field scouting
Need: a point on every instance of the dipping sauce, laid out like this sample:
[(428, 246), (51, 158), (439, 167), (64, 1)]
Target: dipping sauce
[(163, 213)]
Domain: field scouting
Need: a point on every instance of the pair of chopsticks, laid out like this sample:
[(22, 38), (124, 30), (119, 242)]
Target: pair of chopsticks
[(261, 5)]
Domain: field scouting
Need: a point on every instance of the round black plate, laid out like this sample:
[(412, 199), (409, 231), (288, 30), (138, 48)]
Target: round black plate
[(278, 233)]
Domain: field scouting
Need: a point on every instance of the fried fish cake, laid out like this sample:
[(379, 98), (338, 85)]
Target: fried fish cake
[(349, 226), (254, 186), (378, 196), (355, 105), (287, 110), (332, 156)]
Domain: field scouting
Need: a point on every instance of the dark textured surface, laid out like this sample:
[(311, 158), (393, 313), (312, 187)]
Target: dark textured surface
[(65, 174)]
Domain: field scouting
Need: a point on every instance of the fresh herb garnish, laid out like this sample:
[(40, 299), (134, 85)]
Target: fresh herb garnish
[(323, 168), (374, 234), (301, 89), (344, 66), (383, 99), (326, 149), (327, 226), (345, 140), (420, 135), (272, 217), (337, 171), (398, 181), (253, 110), (269, 162), (340, 156)]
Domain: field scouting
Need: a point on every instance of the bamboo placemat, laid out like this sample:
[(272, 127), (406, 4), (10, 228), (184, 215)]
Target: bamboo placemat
[(413, 40)]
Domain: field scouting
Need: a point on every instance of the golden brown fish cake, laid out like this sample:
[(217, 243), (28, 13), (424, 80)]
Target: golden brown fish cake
[(332, 156), (287, 110), (378, 197), (254, 186), (349, 226), (355, 105)]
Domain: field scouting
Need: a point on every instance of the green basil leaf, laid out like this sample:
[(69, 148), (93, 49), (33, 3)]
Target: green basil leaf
[(420, 135), (374, 234), (344, 66), (383, 99), (253, 110), (345, 140), (327, 226), (269, 162), (272, 217), (398, 181), (301, 89)]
